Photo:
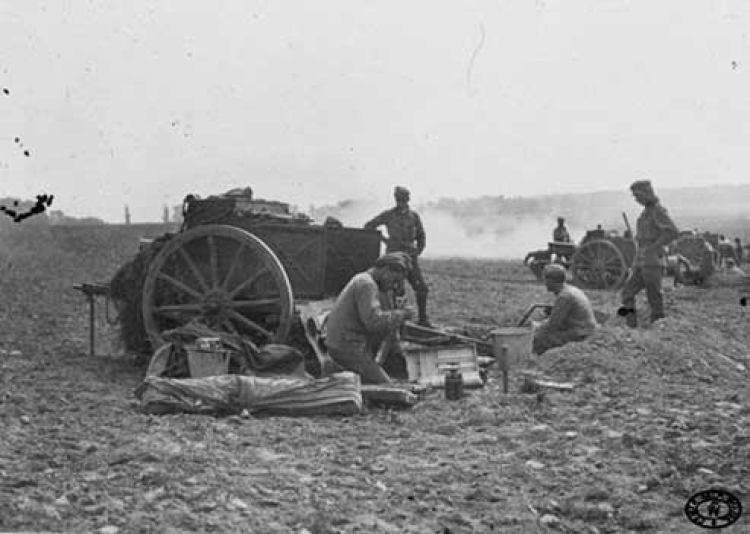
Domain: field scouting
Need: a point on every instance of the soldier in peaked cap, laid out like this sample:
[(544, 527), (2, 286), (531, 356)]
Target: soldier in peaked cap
[(358, 317), (654, 231), (406, 234)]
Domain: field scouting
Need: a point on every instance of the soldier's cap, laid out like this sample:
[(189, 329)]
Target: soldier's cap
[(400, 192), (554, 272), (394, 260), (645, 187), (561, 219)]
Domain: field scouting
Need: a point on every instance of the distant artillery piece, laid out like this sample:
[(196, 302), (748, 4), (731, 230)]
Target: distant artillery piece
[(724, 249), (692, 259), (600, 261)]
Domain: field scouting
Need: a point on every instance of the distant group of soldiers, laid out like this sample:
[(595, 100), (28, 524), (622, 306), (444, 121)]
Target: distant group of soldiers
[(361, 311)]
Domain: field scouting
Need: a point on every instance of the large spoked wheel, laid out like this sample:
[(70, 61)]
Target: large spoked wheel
[(223, 276), (599, 264)]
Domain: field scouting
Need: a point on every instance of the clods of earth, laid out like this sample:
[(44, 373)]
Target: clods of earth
[(656, 414)]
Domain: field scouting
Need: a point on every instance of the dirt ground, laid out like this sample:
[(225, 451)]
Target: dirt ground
[(656, 415)]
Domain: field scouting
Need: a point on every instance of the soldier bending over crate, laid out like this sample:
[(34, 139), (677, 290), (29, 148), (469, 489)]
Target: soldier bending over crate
[(358, 317)]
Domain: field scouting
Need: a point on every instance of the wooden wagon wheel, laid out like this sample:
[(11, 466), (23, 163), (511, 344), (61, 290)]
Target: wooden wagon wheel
[(599, 264), (222, 275)]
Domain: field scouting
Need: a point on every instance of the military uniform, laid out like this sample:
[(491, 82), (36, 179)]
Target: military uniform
[(654, 230), (572, 319), (561, 235), (355, 326), (406, 234)]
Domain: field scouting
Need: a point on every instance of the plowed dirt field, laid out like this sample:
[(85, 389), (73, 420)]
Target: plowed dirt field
[(657, 414)]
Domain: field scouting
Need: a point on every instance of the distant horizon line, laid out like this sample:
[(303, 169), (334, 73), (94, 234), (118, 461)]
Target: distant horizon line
[(427, 203)]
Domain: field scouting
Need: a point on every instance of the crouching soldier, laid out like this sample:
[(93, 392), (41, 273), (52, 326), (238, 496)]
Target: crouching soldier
[(572, 317), (358, 317)]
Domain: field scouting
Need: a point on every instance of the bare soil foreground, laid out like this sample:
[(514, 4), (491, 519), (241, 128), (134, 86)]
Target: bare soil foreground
[(657, 414)]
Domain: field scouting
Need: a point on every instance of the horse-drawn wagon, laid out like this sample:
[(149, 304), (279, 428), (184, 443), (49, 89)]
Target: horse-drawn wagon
[(242, 266)]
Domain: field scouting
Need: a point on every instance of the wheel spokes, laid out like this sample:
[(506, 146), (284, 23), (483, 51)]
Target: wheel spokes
[(213, 262), (177, 308), (223, 275), (193, 268), (229, 326), (233, 266), (176, 283), (247, 283), (257, 303), (249, 323)]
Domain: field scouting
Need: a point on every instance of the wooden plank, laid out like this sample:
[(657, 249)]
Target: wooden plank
[(390, 395)]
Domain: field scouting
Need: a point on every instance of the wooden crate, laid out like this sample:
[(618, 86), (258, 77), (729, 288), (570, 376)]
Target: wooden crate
[(426, 365)]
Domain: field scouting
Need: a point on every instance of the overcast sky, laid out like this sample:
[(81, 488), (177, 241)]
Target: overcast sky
[(142, 102)]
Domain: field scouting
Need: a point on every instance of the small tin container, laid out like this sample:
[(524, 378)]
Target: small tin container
[(454, 383)]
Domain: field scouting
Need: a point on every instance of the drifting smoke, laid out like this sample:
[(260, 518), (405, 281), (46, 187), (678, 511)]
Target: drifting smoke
[(491, 237), (486, 236), (509, 228)]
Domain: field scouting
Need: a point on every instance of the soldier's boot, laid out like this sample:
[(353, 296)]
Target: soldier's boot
[(422, 310), (631, 319), (656, 317)]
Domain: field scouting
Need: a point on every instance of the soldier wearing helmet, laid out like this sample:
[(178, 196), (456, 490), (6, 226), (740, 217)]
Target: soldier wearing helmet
[(406, 234), (572, 317)]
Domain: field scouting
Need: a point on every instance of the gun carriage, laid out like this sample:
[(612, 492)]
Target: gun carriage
[(600, 261)]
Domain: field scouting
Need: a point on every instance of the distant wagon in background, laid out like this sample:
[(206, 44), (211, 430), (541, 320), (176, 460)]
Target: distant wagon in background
[(600, 261)]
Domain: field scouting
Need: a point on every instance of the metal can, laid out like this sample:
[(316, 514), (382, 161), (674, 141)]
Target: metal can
[(454, 383), (208, 343)]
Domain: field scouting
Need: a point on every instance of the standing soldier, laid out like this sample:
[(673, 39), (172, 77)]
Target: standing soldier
[(560, 233), (654, 231), (406, 234)]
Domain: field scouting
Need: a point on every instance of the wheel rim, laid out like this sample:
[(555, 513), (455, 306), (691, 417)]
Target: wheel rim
[(599, 264), (223, 276)]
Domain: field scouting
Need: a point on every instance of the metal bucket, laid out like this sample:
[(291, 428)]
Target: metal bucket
[(205, 363), (518, 340)]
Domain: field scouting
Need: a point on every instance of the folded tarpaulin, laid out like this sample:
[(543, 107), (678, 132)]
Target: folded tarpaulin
[(226, 394)]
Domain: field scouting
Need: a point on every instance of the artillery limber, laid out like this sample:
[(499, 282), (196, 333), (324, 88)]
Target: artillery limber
[(241, 266), (600, 261)]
